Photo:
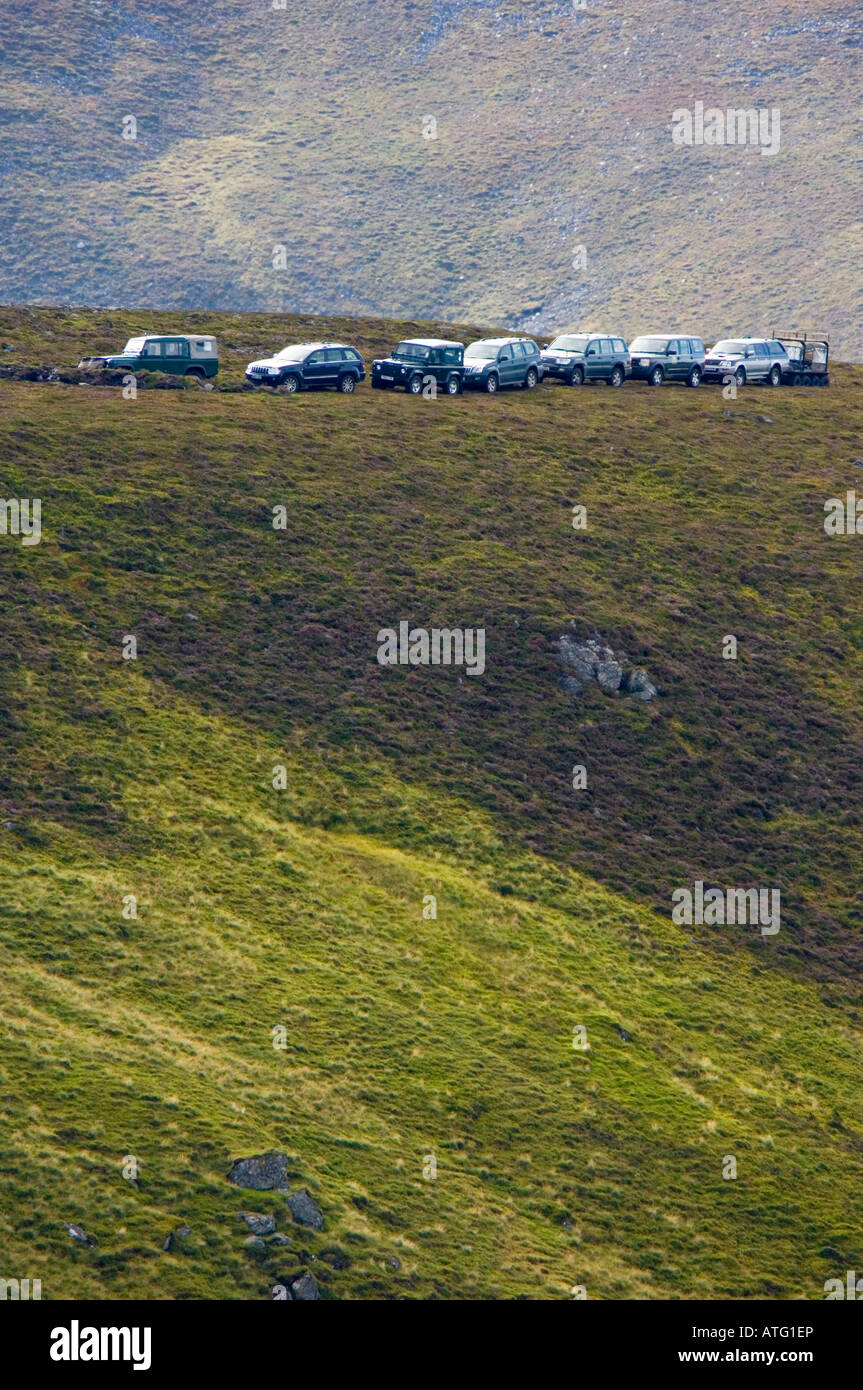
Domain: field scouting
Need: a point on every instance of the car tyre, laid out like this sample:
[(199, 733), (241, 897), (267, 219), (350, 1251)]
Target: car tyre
[(576, 376), (774, 376), (740, 377), (453, 385), (491, 383), (694, 378), (531, 379), (291, 383), (195, 371), (616, 378), (657, 376), (347, 383), (414, 384)]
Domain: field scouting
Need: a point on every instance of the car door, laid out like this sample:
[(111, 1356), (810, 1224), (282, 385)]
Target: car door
[(593, 359), (606, 356), (315, 368), (151, 357), (505, 365), (672, 359), (684, 358), (175, 355), (762, 360)]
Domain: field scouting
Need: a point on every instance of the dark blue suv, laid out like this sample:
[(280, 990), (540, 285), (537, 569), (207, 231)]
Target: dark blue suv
[(309, 365)]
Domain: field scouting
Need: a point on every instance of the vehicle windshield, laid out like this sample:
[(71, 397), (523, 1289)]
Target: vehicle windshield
[(649, 345), (292, 354), (411, 352), (731, 347), (571, 342), (482, 350), (134, 347)]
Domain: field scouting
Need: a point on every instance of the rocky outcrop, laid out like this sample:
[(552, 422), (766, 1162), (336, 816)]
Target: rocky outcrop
[(594, 660), (305, 1211), (261, 1172)]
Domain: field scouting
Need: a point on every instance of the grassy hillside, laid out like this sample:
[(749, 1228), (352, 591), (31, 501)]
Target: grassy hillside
[(303, 907), (304, 128)]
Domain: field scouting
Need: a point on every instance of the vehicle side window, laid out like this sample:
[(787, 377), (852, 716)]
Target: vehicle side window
[(176, 349), (619, 345), (452, 357), (530, 348), (593, 347), (672, 346), (152, 350), (519, 350), (335, 355), (505, 355), (697, 347), (761, 350), (350, 355), (685, 347), (607, 348), (314, 359), (777, 349)]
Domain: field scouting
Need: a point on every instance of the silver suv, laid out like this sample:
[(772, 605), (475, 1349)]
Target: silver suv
[(747, 359)]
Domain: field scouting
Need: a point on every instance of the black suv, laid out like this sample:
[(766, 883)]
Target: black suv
[(418, 360), (580, 357), (658, 357), (309, 365), (494, 362)]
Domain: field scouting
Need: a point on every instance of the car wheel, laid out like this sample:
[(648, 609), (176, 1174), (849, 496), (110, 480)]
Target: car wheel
[(415, 384), (291, 383), (491, 383), (576, 376), (657, 376), (195, 371), (452, 385), (694, 378), (347, 382), (740, 377), (531, 379), (775, 375), (616, 378)]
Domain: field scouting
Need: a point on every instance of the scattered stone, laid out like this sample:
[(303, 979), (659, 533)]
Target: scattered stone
[(395, 1262), (627, 1037), (304, 1288), (261, 1172), (168, 1242), (765, 419), (279, 1239), (305, 1211), (259, 1222), (183, 1231), (254, 1243), (570, 685), (79, 1234)]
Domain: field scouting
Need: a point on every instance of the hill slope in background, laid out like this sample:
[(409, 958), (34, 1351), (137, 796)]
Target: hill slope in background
[(302, 908), (304, 128)]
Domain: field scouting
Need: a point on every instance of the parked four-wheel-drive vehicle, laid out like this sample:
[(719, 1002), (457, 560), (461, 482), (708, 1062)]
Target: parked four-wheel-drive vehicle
[(659, 357), (808, 357), (417, 362), (491, 363), (580, 357), (181, 354), (310, 367), (746, 360)]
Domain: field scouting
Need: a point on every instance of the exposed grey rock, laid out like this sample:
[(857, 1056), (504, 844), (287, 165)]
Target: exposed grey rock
[(304, 1289), (183, 1231), (254, 1243), (570, 685), (259, 1222), (79, 1235), (261, 1172), (639, 685), (279, 1239), (609, 674), (627, 1037), (305, 1211), (168, 1241), (580, 655)]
